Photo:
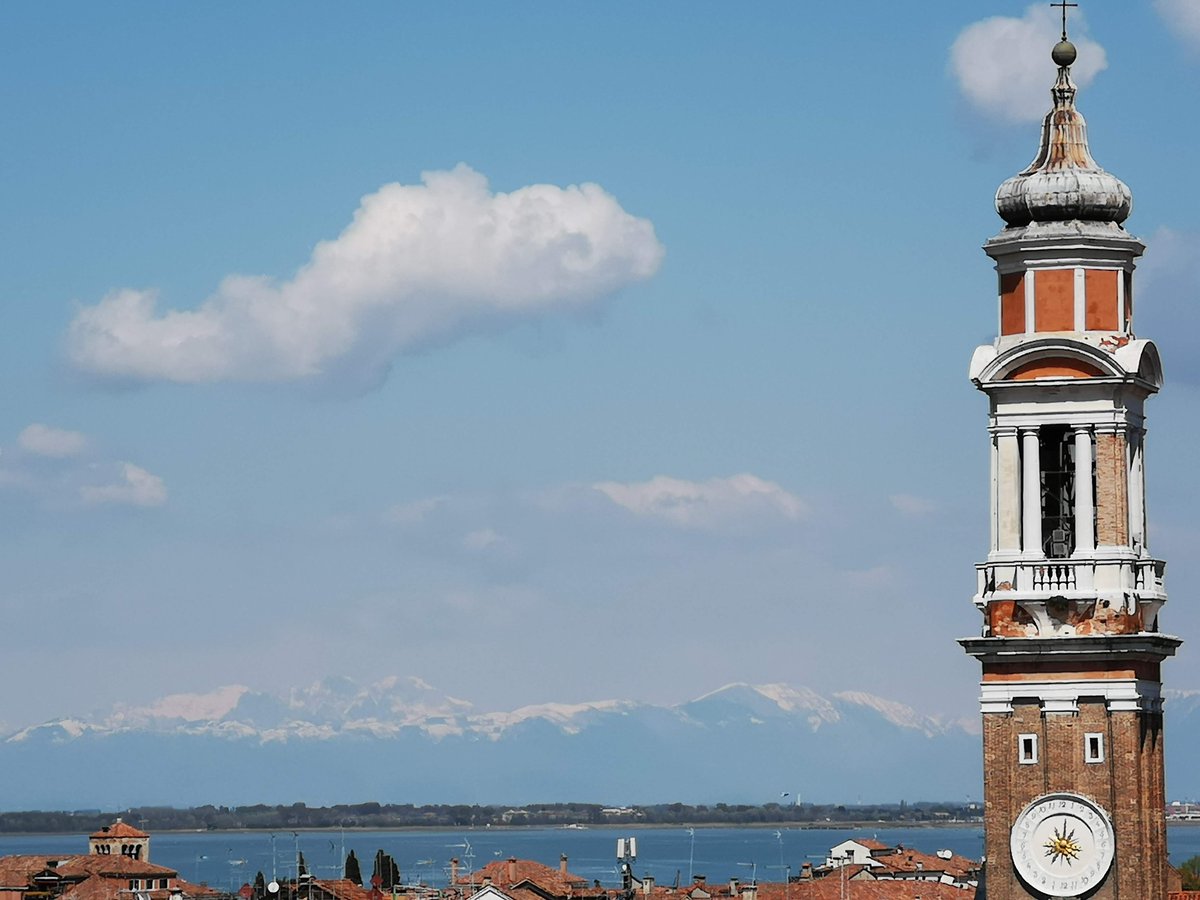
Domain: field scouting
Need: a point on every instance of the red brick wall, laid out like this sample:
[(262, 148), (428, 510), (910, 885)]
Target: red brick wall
[(1128, 783)]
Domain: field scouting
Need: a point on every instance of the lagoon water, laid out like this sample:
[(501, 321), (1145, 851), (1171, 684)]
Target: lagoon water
[(229, 859)]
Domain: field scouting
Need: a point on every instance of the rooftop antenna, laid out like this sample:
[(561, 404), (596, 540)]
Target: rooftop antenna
[(753, 867), (626, 855), (469, 858), (691, 854), (1064, 6)]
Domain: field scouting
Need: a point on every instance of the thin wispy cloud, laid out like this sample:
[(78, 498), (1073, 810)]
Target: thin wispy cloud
[(45, 440), (63, 470), (1182, 17), (418, 265), (1003, 68), (132, 486), (717, 502)]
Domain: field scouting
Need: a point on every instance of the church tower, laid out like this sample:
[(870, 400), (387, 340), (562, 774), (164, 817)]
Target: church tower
[(1070, 593)]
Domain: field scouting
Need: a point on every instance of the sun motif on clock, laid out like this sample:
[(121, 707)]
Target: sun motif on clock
[(1063, 846)]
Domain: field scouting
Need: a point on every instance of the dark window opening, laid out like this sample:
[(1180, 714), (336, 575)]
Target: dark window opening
[(1058, 491), (1028, 748)]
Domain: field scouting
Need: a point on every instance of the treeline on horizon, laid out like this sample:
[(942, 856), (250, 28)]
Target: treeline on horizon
[(404, 815)]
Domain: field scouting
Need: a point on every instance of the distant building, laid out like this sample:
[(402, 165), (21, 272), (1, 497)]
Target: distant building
[(116, 867), (120, 839), (859, 869), (523, 879)]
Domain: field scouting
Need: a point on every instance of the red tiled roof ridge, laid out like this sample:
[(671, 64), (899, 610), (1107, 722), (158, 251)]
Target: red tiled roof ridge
[(119, 829), (104, 864)]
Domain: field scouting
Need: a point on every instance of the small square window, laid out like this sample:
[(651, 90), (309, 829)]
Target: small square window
[(1093, 748), (1027, 749)]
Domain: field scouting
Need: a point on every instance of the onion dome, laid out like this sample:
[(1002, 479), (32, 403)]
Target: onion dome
[(1063, 183)]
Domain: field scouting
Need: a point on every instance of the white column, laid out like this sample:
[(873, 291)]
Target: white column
[(994, 495), (1031, 493), (1008, 492), (1137, 491), (1085, 500)]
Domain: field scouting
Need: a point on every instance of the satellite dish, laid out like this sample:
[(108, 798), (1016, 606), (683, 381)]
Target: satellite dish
[(273, 887), (945, 854)]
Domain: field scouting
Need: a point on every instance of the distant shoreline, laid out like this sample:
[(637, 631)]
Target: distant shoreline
[(623, 826), (861, 825)]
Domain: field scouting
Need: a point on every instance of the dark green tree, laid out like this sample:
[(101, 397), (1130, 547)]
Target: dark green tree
[(260, 886), (386, 873), (353, 872), (301, 868), (1190, 871)]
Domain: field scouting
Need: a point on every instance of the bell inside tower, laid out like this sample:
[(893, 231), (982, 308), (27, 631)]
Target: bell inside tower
[(1058, 472)]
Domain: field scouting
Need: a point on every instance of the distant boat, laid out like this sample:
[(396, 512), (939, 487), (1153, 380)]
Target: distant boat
[(576, 826)]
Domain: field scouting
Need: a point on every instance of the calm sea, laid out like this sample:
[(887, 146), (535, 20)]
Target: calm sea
[(228, 859)]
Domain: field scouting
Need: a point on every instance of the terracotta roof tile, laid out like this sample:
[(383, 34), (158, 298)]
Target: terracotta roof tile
[(873, 844), (506, 874), (113, 866), (342, 889), (834, 888), (17, 870)]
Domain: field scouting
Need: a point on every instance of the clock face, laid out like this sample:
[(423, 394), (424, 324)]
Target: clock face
[(1062, 844)]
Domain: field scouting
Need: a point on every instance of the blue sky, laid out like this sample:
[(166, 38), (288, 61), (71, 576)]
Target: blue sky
[(729, 436)]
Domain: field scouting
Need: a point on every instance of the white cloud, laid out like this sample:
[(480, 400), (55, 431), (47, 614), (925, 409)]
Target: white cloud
[(418, 264), (1183, 18), (704, 504), (134, 487), (1003, 66), (43, 440), (912, 505)]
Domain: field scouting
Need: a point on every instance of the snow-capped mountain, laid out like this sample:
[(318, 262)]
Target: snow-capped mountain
[(402, 740)]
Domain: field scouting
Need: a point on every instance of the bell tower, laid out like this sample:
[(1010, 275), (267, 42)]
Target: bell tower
[(1069, 593)]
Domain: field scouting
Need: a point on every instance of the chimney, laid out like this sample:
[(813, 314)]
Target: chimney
[(699, 879), (648, 885), (487, 880), (806, 870), (750, 892), (512, 870), (733, 887), (562, 864), (453, 870)]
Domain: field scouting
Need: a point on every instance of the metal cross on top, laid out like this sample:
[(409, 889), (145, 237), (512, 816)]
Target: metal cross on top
[(1064, 6)]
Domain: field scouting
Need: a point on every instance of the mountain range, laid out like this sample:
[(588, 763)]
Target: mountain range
[(401, 740)]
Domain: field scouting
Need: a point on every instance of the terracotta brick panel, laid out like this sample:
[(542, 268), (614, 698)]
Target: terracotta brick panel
[(1054, 300), (1100, 285), (1012, 303), (1112, 490)]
